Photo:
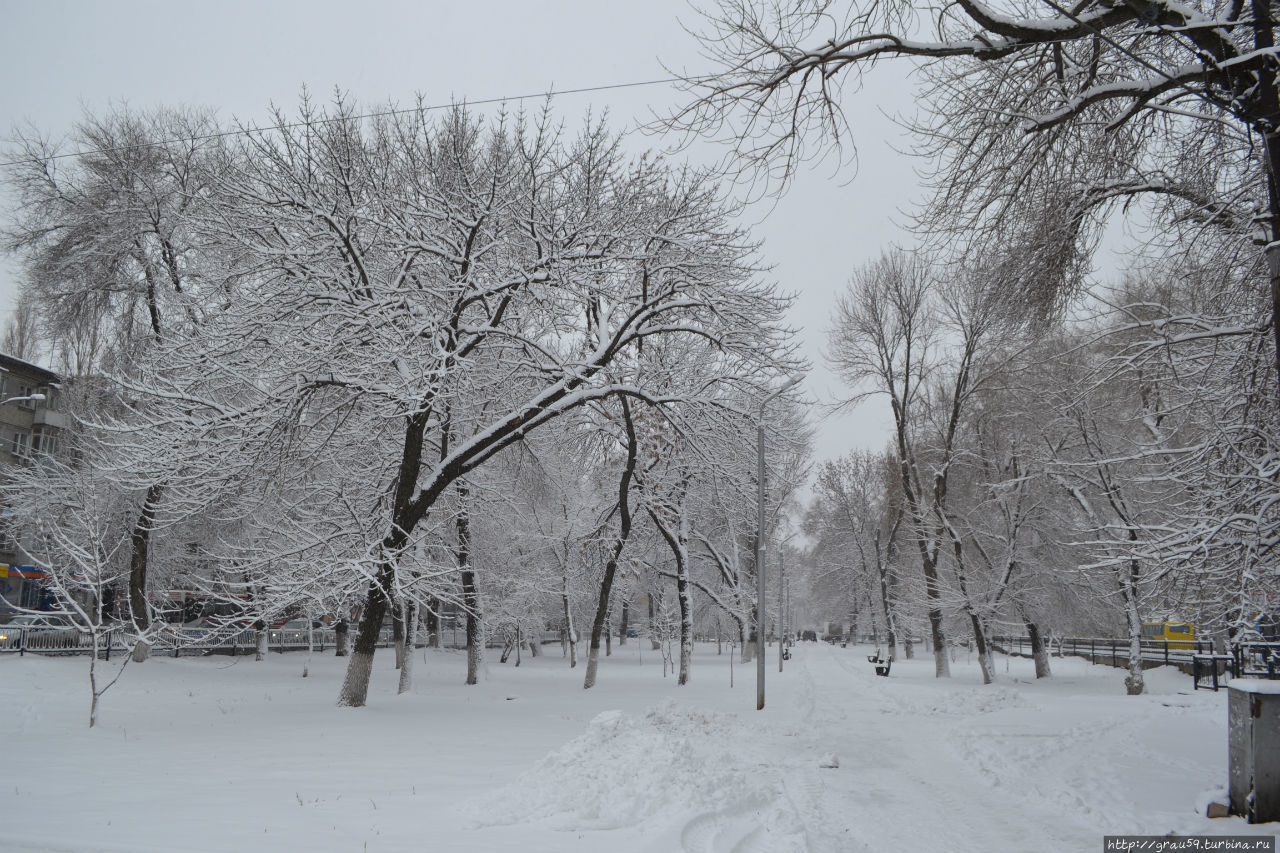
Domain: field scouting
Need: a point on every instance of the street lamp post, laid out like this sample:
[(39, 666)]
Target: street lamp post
[(760, 560), (35, 398), (759, 549)]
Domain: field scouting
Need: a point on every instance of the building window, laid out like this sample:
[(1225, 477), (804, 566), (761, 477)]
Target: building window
[(22, 398), (22, 444), (44, 443)]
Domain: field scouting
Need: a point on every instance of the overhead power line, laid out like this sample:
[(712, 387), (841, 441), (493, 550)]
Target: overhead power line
[(246, 131)]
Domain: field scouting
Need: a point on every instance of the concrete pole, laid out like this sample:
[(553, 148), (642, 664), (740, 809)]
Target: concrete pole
[(760, 551)]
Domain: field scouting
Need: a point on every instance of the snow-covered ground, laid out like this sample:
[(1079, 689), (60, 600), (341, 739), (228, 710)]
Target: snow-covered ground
[(214, 754)]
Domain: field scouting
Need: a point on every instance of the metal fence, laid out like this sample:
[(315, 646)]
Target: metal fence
[(1098, 649), (177, 642), (1246, 660), (1194, 657), (167, 640)]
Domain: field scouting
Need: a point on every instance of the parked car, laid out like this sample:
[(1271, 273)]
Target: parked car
[(35, 631)]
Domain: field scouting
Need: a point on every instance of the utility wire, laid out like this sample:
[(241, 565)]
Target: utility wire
[(248, 131)]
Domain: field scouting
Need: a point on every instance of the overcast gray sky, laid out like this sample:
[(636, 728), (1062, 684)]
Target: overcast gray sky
[(60, 58)]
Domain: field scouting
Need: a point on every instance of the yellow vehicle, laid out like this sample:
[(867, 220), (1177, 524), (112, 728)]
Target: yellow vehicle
[(1178, 635)]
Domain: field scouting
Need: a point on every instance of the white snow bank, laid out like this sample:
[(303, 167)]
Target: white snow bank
[(626, 768), (1253, 685)]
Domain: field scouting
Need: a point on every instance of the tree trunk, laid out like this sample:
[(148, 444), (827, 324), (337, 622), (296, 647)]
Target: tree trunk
[(470, 592), (889, 627), (340, 639), (475, 633), (985, 662), (397, 630), (622, 628), (410, 637), (1133, 682), (686, 625), (571, 635), (1038, 650), (655, 634), (433, 622), (139, 548), (508, 646), (941, 664), (355, 685), (685, 592), (678, 541), (611, 565)]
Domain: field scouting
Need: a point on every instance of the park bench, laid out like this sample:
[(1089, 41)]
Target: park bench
[(882, 664)]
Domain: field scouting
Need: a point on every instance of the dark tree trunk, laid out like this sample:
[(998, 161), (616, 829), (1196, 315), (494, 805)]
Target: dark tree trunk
[(139, 548), (984, 656), (654, 634), (890, 631), (611, 566), (355, 686), (470, 593), (433, 623), (570, 631), (677, 540), (933, 591), (1038, 651)]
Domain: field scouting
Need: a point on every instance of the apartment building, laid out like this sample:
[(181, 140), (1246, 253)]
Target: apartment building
[(30, 425)]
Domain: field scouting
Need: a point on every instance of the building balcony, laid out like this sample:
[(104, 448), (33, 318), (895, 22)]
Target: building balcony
[(50, 417)]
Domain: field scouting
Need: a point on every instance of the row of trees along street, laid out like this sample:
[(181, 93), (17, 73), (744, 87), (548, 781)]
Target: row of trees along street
[(419, 359), (1064, 455)]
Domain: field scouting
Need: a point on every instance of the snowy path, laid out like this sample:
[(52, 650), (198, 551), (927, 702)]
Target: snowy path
[(903, 781), (213, 755), (923, 764)]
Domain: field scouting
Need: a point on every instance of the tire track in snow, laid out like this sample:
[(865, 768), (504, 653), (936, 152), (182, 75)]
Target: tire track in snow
[(720, 831)]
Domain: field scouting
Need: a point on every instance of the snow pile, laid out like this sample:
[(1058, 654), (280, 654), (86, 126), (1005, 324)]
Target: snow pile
[(625, 769)]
